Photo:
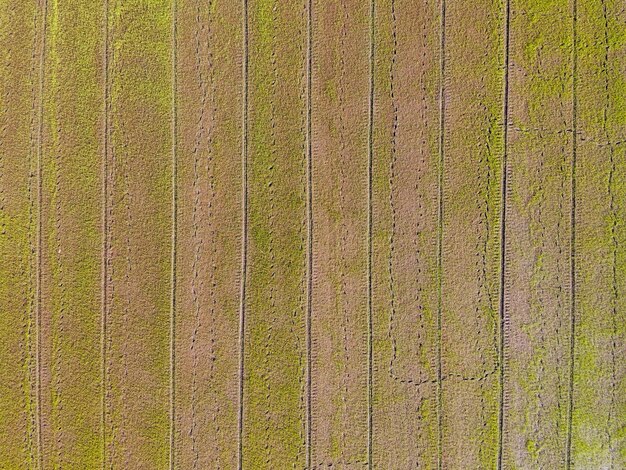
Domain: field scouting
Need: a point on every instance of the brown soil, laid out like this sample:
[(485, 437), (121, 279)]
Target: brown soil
[(405, 235), (209, 227), (18, 384), (195, 271), (71, 249), (471, 235), (340, 172), (138, 308)]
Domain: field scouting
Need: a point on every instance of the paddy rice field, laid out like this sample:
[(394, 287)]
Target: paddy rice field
[(312, 234)]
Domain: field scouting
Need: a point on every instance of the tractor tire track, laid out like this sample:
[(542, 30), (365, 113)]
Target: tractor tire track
[(345, 376), (341, 327), (572, 264), (272, 250), (613, 217), (30, 348), (416, 382), (244, 229), (440, 225), (304, 246), (471, 237), (370, 158), (59, 324), (106, 250), (309, 222), (111, 291), (127, 200), (173, 236), (197, 240), (39, 269), (504, 287), (211, 217)]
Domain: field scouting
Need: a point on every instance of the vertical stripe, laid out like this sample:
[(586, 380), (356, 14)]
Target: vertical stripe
[(572, 338), (38, 313), (442, 109), (244, 234), (309, 176), (503, 305), (369, 235), (174, 240)]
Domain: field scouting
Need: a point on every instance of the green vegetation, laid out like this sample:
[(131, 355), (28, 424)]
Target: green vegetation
[(275, 348), (72, 224), (599, 406), (18, 218), (140, 166), (540, 161)]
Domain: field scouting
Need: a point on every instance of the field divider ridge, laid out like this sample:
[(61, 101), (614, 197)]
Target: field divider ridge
[(504, 305)]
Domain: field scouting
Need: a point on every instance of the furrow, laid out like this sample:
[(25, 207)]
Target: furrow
[(174, 235), (572, 257), (440, 224)]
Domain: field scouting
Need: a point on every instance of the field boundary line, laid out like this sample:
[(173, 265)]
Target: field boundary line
[(341, 261), (244, 230), (503, 211), (174, 234), (370, 157), (104, 305), (309, 209), (442, 110), (42, 65), (572, 345)]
